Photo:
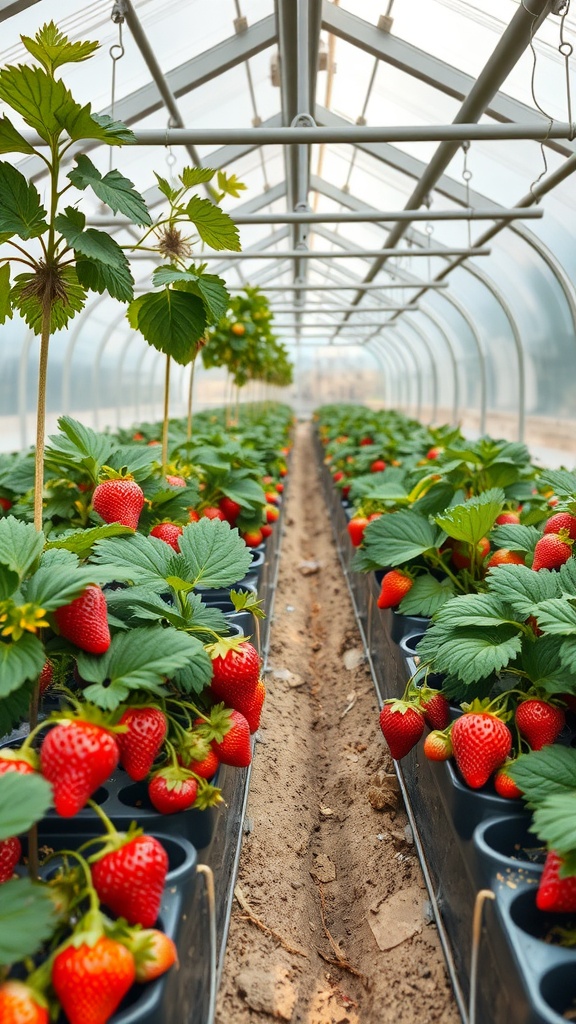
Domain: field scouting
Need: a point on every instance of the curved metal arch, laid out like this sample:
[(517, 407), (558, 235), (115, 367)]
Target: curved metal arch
[(96, 365), (397, 384), (23, 387), (405, 377), (418, 377), (438, 318), (157, 357), (68, 355), (433, 371), (380, 362)]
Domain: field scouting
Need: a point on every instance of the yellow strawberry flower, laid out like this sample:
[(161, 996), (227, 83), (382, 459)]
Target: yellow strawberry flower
[(19, 619)]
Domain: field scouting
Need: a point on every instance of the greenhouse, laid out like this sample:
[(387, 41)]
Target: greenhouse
[(287, 512)]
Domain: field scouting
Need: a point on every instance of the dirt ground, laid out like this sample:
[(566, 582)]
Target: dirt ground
[(328, 865)]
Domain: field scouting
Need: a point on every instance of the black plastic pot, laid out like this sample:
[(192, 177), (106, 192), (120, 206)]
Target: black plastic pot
[(407, 625)]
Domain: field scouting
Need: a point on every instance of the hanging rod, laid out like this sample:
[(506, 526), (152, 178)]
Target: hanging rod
[(358, 216), (341, 309), (340, 287), (310, 254)]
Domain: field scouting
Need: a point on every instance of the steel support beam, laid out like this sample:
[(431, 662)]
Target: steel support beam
[(342, 309), (310, 254), (8, 8), (410, 325), (385, 286)]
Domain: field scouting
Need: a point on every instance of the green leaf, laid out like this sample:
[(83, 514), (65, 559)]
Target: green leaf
[(53, 49), (214, 226), (15, 708), (217, 555), (567, 575), (398, 537), (9, 582), (247, 492), (10, 140), (112, 188), (522, 588), (545, 772), (24, 799), (53, 586), (114, 133), (142, 604), (20, 545), (140, 659), (44, 102), (144, 560), (470, 653), (474, 610), (435, 500), (542, 664), (5, 301), (568, 654), (96, 245), (471, 521), (166, 188), (195, 176), (77, 447), (27, 301), (81, 542), (426, 596), (97, 277), (21, 210), (229, 184), (19, 661), (555, 821), (196, 674), (557, 616), (171, 321), (562, 482), (27, 917), (515, 537)]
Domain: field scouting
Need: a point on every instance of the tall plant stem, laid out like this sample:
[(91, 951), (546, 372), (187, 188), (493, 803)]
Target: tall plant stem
[(41, 415), (166, 415), (190, 396)]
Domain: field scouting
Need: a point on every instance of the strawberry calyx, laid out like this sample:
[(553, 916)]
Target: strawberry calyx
[(174, 776), (221, 647), (208, 795), (496, 707), (24, 756), (89, 714), (113, 839), (217, 724), (108, 473)]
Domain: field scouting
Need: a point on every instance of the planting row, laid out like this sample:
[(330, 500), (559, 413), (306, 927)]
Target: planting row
[(130, 688), (459, 559)]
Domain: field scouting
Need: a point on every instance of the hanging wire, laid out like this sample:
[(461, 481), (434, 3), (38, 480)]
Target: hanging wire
[(566, 49), (429, 229), (467, 178), (171, 159), (116, 52)]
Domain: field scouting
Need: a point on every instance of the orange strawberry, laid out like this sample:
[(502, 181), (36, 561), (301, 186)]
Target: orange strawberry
[(503, 556), (19, 1004), (154, 953), (437, 746)]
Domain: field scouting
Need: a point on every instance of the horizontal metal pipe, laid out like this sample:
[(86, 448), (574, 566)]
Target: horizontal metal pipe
[(352, 134), (330, 327), (310, 254), (342, 309), (342, 287), (358, 216)]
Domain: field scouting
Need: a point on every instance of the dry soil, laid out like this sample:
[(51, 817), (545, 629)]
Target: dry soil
[(328, 866)]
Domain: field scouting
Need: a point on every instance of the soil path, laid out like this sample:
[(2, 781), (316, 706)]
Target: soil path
[(328, 862)]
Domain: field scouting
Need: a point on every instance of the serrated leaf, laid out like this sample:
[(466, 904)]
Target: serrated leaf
[(15, 708), (562, 482), (142, 658), (426, 596), (483, 610), (81, 542), (555, 821), (229, 184), (53, 49), (195, 676), (171, 321), (398, 537), (44, 102), (567, 576), (142, 604), (214, 226), (62, 310), (5, 300), (545, 772), (9, 582), (245, 491), (217, 555), (557, 616), (20, 545), (112, 188), (19, 661), (471, 521), (97, 277), (53, 586), (166, 188), (196, 175), (542, 664), (24, 799), (515, 537), (10, 140), (27, 917), (21, 210), (471, 653), (568, 654), (97, 245), (114, 133), (435, 500), (522, 588), (78, 446), (144, 560)]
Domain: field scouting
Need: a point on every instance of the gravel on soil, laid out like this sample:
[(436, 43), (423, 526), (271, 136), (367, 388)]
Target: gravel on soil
[(328, 866)]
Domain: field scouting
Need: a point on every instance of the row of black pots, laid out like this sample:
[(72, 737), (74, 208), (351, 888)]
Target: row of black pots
[(198, 927), (467, 840)]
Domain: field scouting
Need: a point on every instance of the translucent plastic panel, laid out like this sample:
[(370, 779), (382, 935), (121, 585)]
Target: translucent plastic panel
[(343, 373)]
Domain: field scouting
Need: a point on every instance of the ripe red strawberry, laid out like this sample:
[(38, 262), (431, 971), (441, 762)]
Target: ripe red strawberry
[(338, 476), (356, 527), (138, 436), (18, 1004), (378, 466), (5, 504), (402, 726), (539, 722), (503, 556), (253, 538), (119, 501), (437, 746), (206, 768), (154, 953), (266, 530), (230, 508), (171, 794), (251, 704), (13, 764), (272, 513), (555, 893), (280, 487), (211, 512), (77, 757), (85, 621), (46, 676), (10, 853), (481, 743), (235, 748), (507, 517), (434, 453), (141, 744), (365, 441), (272, 497), (130, 880), (395, 586), (193, 515), (561, 521), (236, 673), (176, 481), (168, 532), (91, 981), (505, 786), (436, 711), (461, 552), (551, 552)]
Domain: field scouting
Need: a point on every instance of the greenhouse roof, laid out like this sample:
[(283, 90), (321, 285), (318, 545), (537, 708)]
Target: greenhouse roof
[(408, 197)]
